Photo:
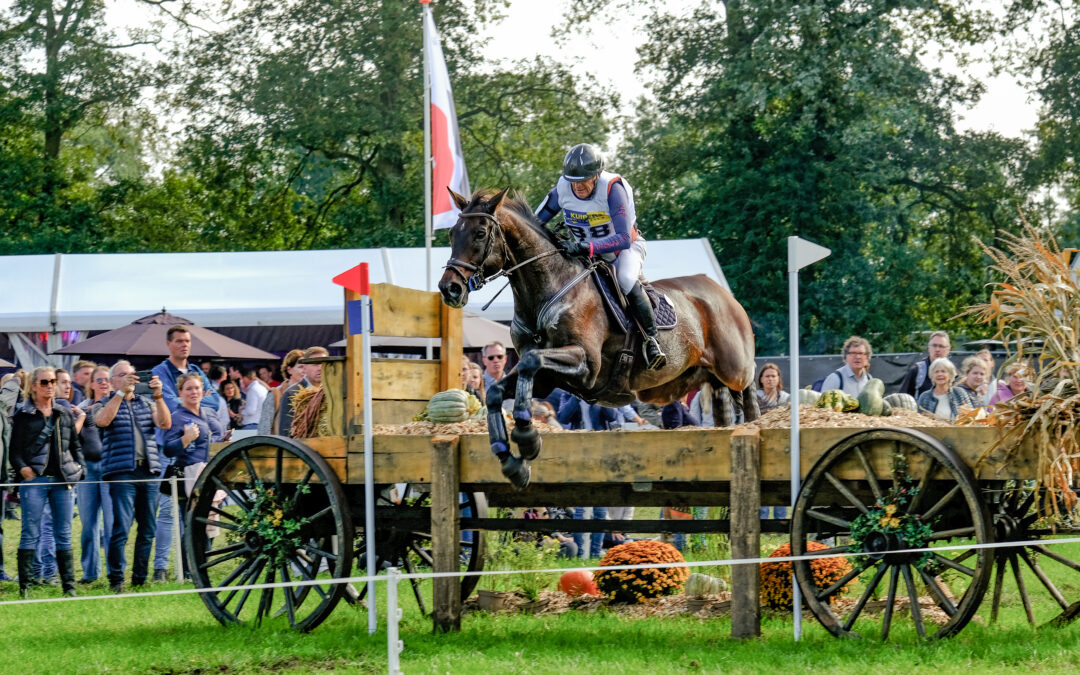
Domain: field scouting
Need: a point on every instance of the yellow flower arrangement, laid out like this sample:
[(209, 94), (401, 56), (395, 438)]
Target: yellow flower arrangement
[(637, 585)]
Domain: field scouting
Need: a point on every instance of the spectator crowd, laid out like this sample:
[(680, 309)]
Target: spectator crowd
[(110, 441)]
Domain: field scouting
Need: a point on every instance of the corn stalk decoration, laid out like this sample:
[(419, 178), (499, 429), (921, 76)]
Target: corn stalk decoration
[(1036, 311)]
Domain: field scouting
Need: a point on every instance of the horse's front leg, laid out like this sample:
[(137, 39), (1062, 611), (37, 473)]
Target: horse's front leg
[(515, 469), (568, 363)]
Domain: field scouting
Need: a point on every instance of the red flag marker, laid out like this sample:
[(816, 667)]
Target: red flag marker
[(355, 279)]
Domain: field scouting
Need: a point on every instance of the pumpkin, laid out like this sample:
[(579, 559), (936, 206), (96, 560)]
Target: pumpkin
[(578, 582), (836, 400), (808, 397), (902, 402), (703, 584), (886, 409), (876, 385), (449, 406), (870, 402)]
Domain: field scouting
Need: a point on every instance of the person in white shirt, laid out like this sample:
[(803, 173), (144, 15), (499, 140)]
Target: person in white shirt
[(254, 395)]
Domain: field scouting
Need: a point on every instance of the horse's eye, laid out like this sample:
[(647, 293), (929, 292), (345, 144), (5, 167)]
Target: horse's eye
[(479, 234)]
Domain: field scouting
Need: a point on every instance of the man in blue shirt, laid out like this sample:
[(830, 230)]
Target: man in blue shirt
[(178, 340)]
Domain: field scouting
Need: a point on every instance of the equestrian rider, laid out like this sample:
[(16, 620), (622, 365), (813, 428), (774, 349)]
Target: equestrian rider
[(598, 208)]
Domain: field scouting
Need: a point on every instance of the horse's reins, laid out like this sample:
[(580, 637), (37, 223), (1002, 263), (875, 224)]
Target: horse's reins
[(476, 280)]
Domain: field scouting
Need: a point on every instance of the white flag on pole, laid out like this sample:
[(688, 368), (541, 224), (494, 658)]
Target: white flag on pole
[(448, 160)]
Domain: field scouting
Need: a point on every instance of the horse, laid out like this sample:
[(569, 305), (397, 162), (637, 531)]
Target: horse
[(565, 337)]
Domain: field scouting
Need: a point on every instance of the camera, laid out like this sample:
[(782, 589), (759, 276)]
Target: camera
[(144, 375)]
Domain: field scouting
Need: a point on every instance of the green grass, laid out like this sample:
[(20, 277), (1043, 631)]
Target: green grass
[(176, 634)]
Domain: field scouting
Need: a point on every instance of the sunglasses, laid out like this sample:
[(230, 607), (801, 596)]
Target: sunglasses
[(46, 383), (496, 357), (101, 380)]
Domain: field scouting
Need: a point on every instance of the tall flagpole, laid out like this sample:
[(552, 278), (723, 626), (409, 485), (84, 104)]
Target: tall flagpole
[(427, 156)]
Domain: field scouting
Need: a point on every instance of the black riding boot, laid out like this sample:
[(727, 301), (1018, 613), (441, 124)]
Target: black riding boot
[(643, 312), (26, 574), (65, 564)]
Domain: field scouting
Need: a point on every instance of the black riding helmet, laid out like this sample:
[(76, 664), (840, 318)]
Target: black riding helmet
[(582, 163)]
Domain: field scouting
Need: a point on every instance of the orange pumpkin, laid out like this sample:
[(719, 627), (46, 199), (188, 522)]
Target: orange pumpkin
[(578, 582)]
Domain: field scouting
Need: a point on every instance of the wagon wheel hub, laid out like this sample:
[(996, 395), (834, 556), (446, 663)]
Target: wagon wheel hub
[(1008, 528), (881, 546)]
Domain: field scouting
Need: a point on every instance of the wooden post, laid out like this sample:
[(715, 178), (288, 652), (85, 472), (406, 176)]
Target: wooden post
[(745, 532), (445, 532), (450, 330), (353, 374)]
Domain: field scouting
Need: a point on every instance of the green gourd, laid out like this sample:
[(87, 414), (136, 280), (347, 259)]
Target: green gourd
[(838, 401), (870, 402), (449, 406), (902, 402), (703, 584)]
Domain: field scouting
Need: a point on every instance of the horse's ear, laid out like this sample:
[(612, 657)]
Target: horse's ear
[(496, 201), (458, 199)]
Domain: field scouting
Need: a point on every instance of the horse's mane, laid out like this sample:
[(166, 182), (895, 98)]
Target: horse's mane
[(515, 203)]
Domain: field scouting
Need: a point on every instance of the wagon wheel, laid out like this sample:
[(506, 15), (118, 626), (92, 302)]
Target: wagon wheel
[(843, 490), (403, 536), (1016, 518), (270, 483)]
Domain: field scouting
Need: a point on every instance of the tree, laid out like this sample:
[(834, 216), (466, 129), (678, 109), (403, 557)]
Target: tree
[(819, 119), (64, 73), (315, 108)]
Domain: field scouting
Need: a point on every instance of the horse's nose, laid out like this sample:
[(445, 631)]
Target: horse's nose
[(452, 292)]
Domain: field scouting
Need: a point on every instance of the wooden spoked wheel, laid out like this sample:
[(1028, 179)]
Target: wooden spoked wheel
[(403, 536), (285, 518), (1014, 505), (936, 503)]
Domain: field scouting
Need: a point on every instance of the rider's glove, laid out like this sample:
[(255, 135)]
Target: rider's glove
[(574, 247)]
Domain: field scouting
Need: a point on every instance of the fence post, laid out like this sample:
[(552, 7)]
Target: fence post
[(745, 532), (445, 532), (393, 616), (179, 545)]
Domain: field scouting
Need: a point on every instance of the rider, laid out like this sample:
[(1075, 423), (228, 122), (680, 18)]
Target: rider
[(598, 208)]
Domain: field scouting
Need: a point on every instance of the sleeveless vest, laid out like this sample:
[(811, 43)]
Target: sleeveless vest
[(118, 439), (590, 218)]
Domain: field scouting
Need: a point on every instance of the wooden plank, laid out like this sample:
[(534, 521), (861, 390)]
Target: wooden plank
[(745, 532), (404, 312), (450, 352), (445, 533), (406, 379), (333, 383), (293, 470)]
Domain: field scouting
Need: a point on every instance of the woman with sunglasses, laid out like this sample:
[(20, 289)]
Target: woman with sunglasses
[(46, 455), (95, 504)]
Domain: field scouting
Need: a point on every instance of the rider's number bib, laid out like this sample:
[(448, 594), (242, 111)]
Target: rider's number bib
[(599, 224)]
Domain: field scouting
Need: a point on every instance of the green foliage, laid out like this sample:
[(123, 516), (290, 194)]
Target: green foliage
[(274, 519)]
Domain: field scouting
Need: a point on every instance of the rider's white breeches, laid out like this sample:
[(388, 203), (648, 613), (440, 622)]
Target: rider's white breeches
[(628, 264)]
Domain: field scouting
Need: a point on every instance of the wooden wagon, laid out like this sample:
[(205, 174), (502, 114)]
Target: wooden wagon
[(297, 504)]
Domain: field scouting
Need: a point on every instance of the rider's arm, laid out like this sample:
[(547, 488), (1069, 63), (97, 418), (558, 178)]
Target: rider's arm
[(620, 222), (549, 208)]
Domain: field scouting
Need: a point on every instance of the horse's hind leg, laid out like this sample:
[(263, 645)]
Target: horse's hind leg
[(723, 406), (751, 411)]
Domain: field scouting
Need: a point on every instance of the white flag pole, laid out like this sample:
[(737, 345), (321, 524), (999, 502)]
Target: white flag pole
[(427, 156), (800, 254)]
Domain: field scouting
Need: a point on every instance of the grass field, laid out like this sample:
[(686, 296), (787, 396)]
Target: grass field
[(176, 634)]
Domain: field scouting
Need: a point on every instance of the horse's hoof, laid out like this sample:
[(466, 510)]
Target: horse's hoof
[(517, 471), (528, 442)]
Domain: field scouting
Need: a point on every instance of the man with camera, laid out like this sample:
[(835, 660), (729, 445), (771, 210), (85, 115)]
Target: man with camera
[(130, 459)]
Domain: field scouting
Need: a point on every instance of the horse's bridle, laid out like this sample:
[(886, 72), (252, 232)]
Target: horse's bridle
[(476, 279)]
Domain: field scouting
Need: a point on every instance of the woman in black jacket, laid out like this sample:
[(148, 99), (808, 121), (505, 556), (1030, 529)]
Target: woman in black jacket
[(47, 459)]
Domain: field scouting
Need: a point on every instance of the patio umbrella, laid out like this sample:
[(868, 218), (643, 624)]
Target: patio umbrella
[(4, 363), (146, 337), (476, 331)]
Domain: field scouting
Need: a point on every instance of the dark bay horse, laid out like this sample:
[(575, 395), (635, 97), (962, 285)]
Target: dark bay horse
[(566, 338)]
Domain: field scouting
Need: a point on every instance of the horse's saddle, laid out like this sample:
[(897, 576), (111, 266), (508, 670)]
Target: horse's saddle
[(604, 278)]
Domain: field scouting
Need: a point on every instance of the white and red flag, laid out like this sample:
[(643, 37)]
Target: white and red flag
[(448, 161)]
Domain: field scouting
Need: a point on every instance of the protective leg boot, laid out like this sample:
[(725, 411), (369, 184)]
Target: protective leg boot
[(26, 575), (65, 563), (643, 312)]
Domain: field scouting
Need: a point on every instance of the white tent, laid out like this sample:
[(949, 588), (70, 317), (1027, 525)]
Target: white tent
[(52, 293)]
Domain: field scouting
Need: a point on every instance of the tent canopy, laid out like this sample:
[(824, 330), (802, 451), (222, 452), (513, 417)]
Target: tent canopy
[(248, 288)]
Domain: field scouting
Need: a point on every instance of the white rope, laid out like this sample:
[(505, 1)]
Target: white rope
[(555, 570)]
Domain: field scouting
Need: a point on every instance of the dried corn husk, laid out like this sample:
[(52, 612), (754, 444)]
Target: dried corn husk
[(309, 414)]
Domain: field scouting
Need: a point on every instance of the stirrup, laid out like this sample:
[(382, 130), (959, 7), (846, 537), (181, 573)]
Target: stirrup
[(656, 359)]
